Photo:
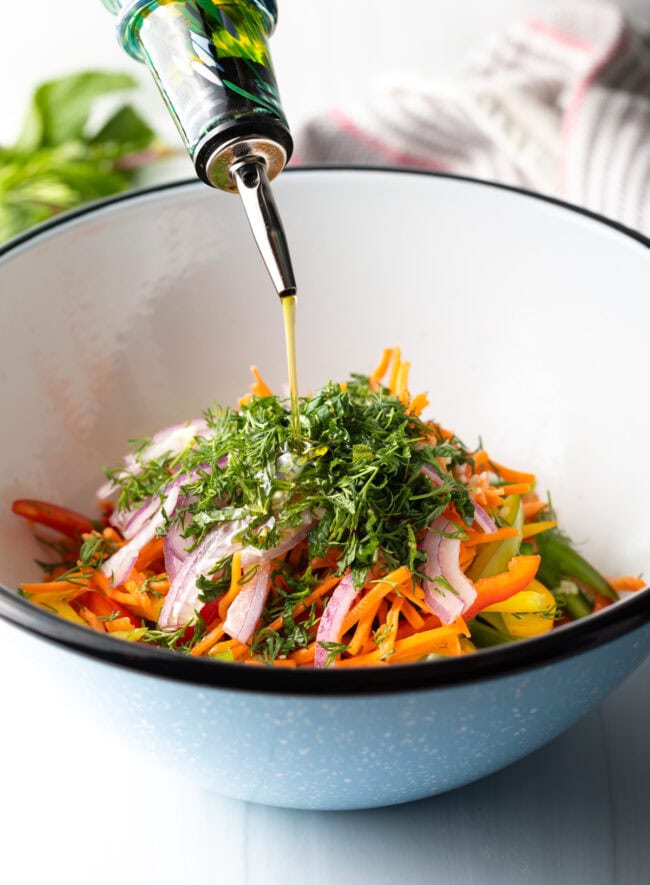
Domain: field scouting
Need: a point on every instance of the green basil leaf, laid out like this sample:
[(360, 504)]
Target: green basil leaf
[(59, 108)]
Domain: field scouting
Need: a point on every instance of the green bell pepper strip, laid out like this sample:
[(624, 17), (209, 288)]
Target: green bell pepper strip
[(560, 561), (485, 635)]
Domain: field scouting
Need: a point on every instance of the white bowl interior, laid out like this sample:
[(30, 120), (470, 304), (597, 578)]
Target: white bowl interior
[(525, 321)]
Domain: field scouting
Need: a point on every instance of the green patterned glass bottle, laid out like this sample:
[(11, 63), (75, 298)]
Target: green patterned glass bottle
[(211, 61)]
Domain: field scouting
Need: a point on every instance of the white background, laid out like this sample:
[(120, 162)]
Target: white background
[(324, 50)]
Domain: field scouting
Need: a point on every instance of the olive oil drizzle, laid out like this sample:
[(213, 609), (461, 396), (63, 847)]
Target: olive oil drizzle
[(289, 311)]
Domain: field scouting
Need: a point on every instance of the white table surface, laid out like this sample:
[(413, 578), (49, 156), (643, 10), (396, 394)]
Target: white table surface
[(78, 808)]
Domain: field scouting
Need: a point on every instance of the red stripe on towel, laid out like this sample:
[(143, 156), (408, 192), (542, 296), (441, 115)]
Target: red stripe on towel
[(542, 27), (400, 158)]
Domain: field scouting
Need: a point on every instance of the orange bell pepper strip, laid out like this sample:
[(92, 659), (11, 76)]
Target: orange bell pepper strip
[(69, 523), (489, 591)]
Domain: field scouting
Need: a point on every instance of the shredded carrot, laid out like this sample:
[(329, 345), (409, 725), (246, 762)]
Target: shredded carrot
[(234, 646), (61, 588), (517, 488), (489, 537), (319, 591), (514, 476), (363, 630), (418, 404), (150, 552), (467, 556), (111, 535), (380, 370), (414, 593), (91, 618), (260, 387), (394, 369), (396, 578), (304, 655), (118, 624), (411, 614), (420, 643), (626, 582), (401, 389), (481, 460), (208, 641), (100, 581), (534, 508)]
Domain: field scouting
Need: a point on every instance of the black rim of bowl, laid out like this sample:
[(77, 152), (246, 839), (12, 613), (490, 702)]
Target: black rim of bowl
[(576, 638)]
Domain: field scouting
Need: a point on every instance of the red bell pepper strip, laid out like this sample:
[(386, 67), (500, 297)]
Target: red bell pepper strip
[(69, 523), (209, 612), (104, 607), (489, 591)]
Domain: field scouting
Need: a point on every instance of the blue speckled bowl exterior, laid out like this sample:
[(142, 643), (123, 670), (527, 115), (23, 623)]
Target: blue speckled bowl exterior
[(344, 752)]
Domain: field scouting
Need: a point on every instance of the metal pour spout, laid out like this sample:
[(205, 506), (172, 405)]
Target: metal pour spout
[(255, 191)]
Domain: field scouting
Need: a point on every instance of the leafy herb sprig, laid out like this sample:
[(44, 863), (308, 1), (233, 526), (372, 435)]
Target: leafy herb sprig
[(59, 162)]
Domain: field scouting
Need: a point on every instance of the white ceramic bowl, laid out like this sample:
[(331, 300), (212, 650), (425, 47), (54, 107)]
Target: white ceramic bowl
[(526, 320)]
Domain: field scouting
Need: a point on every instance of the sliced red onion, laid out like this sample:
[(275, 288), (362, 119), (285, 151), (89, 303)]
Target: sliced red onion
[(106, 490), (119, 518), (180, 602), (220, 542), (175, 550), (246, 609), (443, 562), (118, 566), (173, 565), (129, 522), (329, 628), (483, 520), (139, 517), (170, 440)]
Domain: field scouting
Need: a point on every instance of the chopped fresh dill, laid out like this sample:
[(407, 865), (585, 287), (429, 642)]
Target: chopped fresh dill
[(333, 649)]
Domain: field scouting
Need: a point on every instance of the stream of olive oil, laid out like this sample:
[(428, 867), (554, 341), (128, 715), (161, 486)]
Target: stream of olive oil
[(289, 311)]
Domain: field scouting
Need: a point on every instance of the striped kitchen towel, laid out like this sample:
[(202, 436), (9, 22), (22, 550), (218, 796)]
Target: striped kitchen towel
[(558, 104)]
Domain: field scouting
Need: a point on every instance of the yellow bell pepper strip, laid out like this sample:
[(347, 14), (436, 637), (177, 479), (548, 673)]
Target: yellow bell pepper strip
[(496, 588), (64, 610), (530, 612), (536, 528)]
